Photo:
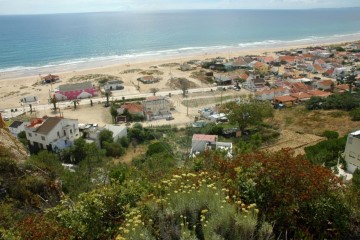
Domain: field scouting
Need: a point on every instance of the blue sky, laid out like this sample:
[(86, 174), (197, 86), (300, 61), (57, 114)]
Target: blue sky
[(66, 6)]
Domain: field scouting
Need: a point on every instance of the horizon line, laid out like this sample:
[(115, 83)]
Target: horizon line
[(169, 10)]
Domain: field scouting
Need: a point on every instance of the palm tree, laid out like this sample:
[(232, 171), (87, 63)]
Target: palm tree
[(53, 100), (350, 79)]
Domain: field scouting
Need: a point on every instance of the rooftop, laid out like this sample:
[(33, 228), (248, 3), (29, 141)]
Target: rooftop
[(204, 137), (16, 124), (75, 87)]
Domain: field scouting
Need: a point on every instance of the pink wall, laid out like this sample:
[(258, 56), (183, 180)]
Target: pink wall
[(73, 94)]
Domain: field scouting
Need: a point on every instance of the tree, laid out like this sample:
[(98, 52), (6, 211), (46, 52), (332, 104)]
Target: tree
[(53, 100), (350, 79), (78, 150), (184, 85), (114, 113), (105, 136), (248, 112), (154, 90), (107, 95)]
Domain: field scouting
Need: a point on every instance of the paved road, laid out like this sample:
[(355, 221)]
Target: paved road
[(21, 109)]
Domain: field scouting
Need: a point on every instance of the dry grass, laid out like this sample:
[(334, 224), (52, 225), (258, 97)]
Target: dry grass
[(301, 128), (298, 119), (131, 153)]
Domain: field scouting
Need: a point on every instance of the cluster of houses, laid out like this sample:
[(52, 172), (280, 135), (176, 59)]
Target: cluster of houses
[(75, 90), (285, 77)]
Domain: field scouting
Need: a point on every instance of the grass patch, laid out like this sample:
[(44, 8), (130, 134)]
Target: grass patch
[(169, 65), (133, 70), (337, 114), (198, 102), (152, 72)]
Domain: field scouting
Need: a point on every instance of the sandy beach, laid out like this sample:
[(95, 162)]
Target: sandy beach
[(12, 89)]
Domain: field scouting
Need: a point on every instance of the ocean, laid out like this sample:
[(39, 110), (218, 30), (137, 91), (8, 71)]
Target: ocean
[(34, 44)]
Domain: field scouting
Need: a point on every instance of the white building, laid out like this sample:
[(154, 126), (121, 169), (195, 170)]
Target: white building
[(33, 100), (51, 133), (114, 85), (118, 131), (203, 142), (16, 127), (352, 151), (93, 133)]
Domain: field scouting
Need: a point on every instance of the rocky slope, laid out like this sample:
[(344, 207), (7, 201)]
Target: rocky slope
[(10, 147)]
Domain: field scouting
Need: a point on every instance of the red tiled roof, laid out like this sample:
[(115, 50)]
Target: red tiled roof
[(285, 99), (133, 107), (301, 95), (319, 93), (344, 87), (204, 137), (244, 76), (327, 82), (267, 59), (287, 58), (259, 64)]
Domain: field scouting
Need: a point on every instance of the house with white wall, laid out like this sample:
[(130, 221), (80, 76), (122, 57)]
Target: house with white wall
[(113, 85), (352, 151), (16, 127), (118, 131), (51, 133), (202, 142)]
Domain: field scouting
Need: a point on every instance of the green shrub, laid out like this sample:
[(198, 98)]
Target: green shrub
[(355, 114), (330, 134)]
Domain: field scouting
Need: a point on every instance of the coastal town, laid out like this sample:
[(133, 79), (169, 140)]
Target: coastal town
[(186, 93), (283, 109)]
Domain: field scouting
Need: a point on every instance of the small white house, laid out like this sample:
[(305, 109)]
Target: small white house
[(33, 100), (51, 133), (16, 127), (203, 142), (352, 151), (118, 131), (114, 85)]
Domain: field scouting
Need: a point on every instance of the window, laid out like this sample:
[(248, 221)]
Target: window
[(64, 133), (70, 131), (43, 138), (29, 134), (58, 134)]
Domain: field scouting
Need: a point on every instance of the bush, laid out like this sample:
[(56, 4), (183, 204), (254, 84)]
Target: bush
[(158, 147), (326, 152), (330, 134), (355, 114), (124, 141)]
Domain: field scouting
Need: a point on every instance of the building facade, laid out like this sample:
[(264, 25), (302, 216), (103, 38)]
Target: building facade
[(51, 133), (75, 91), (352, 151)]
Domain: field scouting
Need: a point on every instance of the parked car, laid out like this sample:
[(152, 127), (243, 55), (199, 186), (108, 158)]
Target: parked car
[(169, 118)]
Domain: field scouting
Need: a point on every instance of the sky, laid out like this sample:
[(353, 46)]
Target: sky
[(70, 6)]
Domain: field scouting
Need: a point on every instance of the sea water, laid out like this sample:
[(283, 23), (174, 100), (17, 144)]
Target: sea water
[(37, 44)]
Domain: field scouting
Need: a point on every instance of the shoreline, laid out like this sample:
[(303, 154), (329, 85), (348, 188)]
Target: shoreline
[(175, 54), (13, 88)]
